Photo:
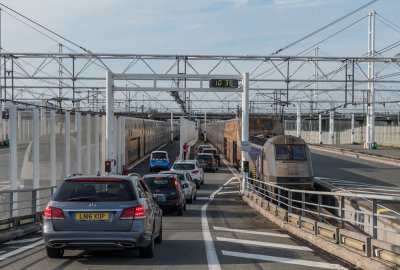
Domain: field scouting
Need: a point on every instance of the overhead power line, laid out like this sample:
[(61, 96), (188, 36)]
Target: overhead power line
[(324, 27)]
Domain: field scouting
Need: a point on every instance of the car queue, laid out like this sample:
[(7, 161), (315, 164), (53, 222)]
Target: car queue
[(122, 211)]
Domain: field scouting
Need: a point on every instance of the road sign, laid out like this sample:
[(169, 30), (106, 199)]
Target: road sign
[(245, 146)]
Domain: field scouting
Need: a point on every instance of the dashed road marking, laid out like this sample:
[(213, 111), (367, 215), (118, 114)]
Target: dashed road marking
[(283, 260), (251, 232), (262, 244)]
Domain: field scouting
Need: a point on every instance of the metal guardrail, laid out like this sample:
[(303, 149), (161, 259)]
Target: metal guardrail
[(23, 206), (330, 215)]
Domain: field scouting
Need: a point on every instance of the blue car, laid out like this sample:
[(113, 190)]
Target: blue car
[(159, 160)]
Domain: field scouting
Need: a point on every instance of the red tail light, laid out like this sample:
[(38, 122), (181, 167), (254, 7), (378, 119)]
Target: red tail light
[(176, 183), (137, 212), (53, 213), (195, 172)]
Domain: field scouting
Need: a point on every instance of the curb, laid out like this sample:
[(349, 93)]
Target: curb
[(21, 231), (334, 249)]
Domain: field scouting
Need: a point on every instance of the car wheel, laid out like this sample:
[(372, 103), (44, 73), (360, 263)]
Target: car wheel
[(195, 196), (54, 252), (184, 207), (158, 239), (202, 181), (180, 211), (147, 252)]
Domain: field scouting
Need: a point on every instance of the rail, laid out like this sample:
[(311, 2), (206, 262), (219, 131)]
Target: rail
[(344, 218), (23, 206)]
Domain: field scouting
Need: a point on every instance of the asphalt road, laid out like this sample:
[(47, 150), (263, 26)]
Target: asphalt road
[(222, 233)]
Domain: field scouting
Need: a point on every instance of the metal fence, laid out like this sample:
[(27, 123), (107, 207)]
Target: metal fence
[(19, 207), (340, 209)]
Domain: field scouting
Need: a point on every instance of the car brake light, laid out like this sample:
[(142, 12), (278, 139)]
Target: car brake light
[(52, 213), (176, 183), (137, 212), (195, 172)]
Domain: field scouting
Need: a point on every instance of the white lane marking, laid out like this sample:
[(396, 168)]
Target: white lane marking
[(212, 258), (251, 232), (229, 192), (22, 241), (284, 260), (20, 250), (262, 244)]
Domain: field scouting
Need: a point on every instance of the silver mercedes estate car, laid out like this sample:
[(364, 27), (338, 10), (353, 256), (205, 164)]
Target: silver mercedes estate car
[(102, 212)]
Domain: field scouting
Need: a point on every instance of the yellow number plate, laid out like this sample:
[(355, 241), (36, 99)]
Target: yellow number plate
[(92, 216)]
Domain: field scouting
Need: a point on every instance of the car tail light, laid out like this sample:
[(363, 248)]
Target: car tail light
[(176, 183), (53, 213), (137, 212), (195, 172)]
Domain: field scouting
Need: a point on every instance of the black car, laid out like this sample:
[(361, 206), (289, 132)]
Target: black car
[(167, 191)]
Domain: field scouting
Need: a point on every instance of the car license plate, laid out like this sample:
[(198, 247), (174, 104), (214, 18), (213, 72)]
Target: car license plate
[(160, 198), (92, 216)]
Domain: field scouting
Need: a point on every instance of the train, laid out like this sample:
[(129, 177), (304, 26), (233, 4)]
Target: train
[(141, 137), (274, 158)]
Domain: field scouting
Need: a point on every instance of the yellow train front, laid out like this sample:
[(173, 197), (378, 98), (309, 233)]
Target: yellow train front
[(285, 160)]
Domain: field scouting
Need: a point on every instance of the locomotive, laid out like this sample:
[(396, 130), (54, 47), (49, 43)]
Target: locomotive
[(275, 158)]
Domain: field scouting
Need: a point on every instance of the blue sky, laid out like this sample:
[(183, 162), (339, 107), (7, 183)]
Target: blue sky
[(228, 27)]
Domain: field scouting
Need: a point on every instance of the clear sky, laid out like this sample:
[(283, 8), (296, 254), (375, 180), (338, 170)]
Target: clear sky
[(239, 27)]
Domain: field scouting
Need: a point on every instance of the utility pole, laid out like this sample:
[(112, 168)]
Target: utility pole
[(371, 104)]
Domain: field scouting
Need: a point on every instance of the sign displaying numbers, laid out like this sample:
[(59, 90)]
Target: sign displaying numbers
[(224, 83)]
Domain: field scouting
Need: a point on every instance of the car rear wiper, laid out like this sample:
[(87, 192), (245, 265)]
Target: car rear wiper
[(86, 198)]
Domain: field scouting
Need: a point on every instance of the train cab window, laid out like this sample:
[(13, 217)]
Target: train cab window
[(282, 152), (298, 152), (290, 152)]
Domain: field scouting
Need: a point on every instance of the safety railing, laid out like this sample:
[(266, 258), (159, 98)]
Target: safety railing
[(23, 206), (352, 220)]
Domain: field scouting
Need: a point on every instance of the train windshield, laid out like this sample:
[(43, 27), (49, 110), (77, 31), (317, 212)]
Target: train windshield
[(290, 152)]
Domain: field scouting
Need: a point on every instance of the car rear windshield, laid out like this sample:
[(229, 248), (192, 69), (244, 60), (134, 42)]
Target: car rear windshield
[(160, 182), (183, 166), (204, 157), (159, 155), (98, 191), (211, 151), (181, 177)]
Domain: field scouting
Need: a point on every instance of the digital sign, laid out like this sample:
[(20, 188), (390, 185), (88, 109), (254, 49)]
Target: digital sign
[(224, 83)]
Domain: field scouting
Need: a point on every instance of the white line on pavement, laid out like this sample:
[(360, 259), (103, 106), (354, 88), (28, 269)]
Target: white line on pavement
[(20, 250), (262, 244), (252, 232), (212, 258), (229, 192), (283, 260)]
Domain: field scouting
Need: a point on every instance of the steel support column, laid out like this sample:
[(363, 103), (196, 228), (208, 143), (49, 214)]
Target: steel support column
[(110, 153), (245, 125)]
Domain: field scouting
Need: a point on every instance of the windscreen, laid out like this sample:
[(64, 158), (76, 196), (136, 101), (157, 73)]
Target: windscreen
[(183, 166), (203, 157), (96, 191), (159, 155), (181, 177), (160, 182), (290, 152)]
